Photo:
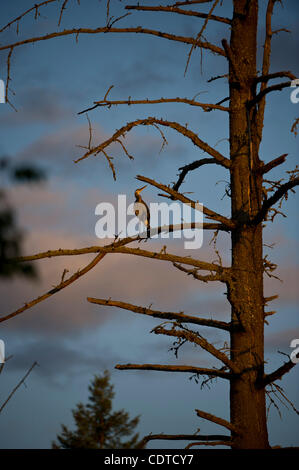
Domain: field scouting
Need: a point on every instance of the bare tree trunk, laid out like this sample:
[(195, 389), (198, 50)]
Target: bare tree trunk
[(245, 292), (249, 206)]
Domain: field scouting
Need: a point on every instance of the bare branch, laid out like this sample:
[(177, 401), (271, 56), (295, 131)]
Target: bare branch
[(108, 29), (270, 299), (200, 341), (217, 77), (215, 2), (18, 386), (191, 167), (294, 127), (271, 76), (108, 11), (124, 149), (109, 160), (115, 247), (112, 21), (174, 368), (35, 7), (167, 257), (281, 30), (278, 390), (268, 203), (266, 64), (179, 317), (191, 2), (97, 249), (129, 102), (59, 252), (150, 121), (276, 375), (260, 96), (180, 11), (8, 79), (182, 437), (210, 443), (119, 248), (62, 10), (268, 38), (64, 283), (269, 166), (204, 278), (56, 289), (217, 420), (223, 100), (180, 197)]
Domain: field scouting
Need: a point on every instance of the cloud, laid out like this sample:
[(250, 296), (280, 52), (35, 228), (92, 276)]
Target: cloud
[(285, 47), (281, 340), (38, 106), (67, 335), (123, 277), (60, 207), (143, 75), (288, 288), (58, 361), (60, 217), (58, 150), (59, 146)]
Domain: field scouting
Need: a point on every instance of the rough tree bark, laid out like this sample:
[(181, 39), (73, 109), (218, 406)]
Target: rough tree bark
[(244, 368), (248, 407)]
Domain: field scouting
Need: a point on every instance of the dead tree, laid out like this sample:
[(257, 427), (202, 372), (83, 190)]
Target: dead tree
[(243, 363)]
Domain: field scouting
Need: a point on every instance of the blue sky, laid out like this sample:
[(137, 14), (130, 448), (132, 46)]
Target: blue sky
[(70, 338)]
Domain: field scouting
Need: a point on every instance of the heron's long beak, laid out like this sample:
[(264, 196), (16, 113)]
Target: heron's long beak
[(141, 189)]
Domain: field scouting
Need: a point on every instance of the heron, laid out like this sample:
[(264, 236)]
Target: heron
[(141, 210)]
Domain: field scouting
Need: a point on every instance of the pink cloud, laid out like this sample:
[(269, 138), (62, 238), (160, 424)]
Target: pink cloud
[(288, 288), (123, 277), (281, 339), (46, 213)]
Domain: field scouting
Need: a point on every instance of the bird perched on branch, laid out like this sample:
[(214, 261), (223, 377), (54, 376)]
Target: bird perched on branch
[(141, 210)]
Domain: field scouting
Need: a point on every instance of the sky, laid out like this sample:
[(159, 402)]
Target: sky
[(70, 338)]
